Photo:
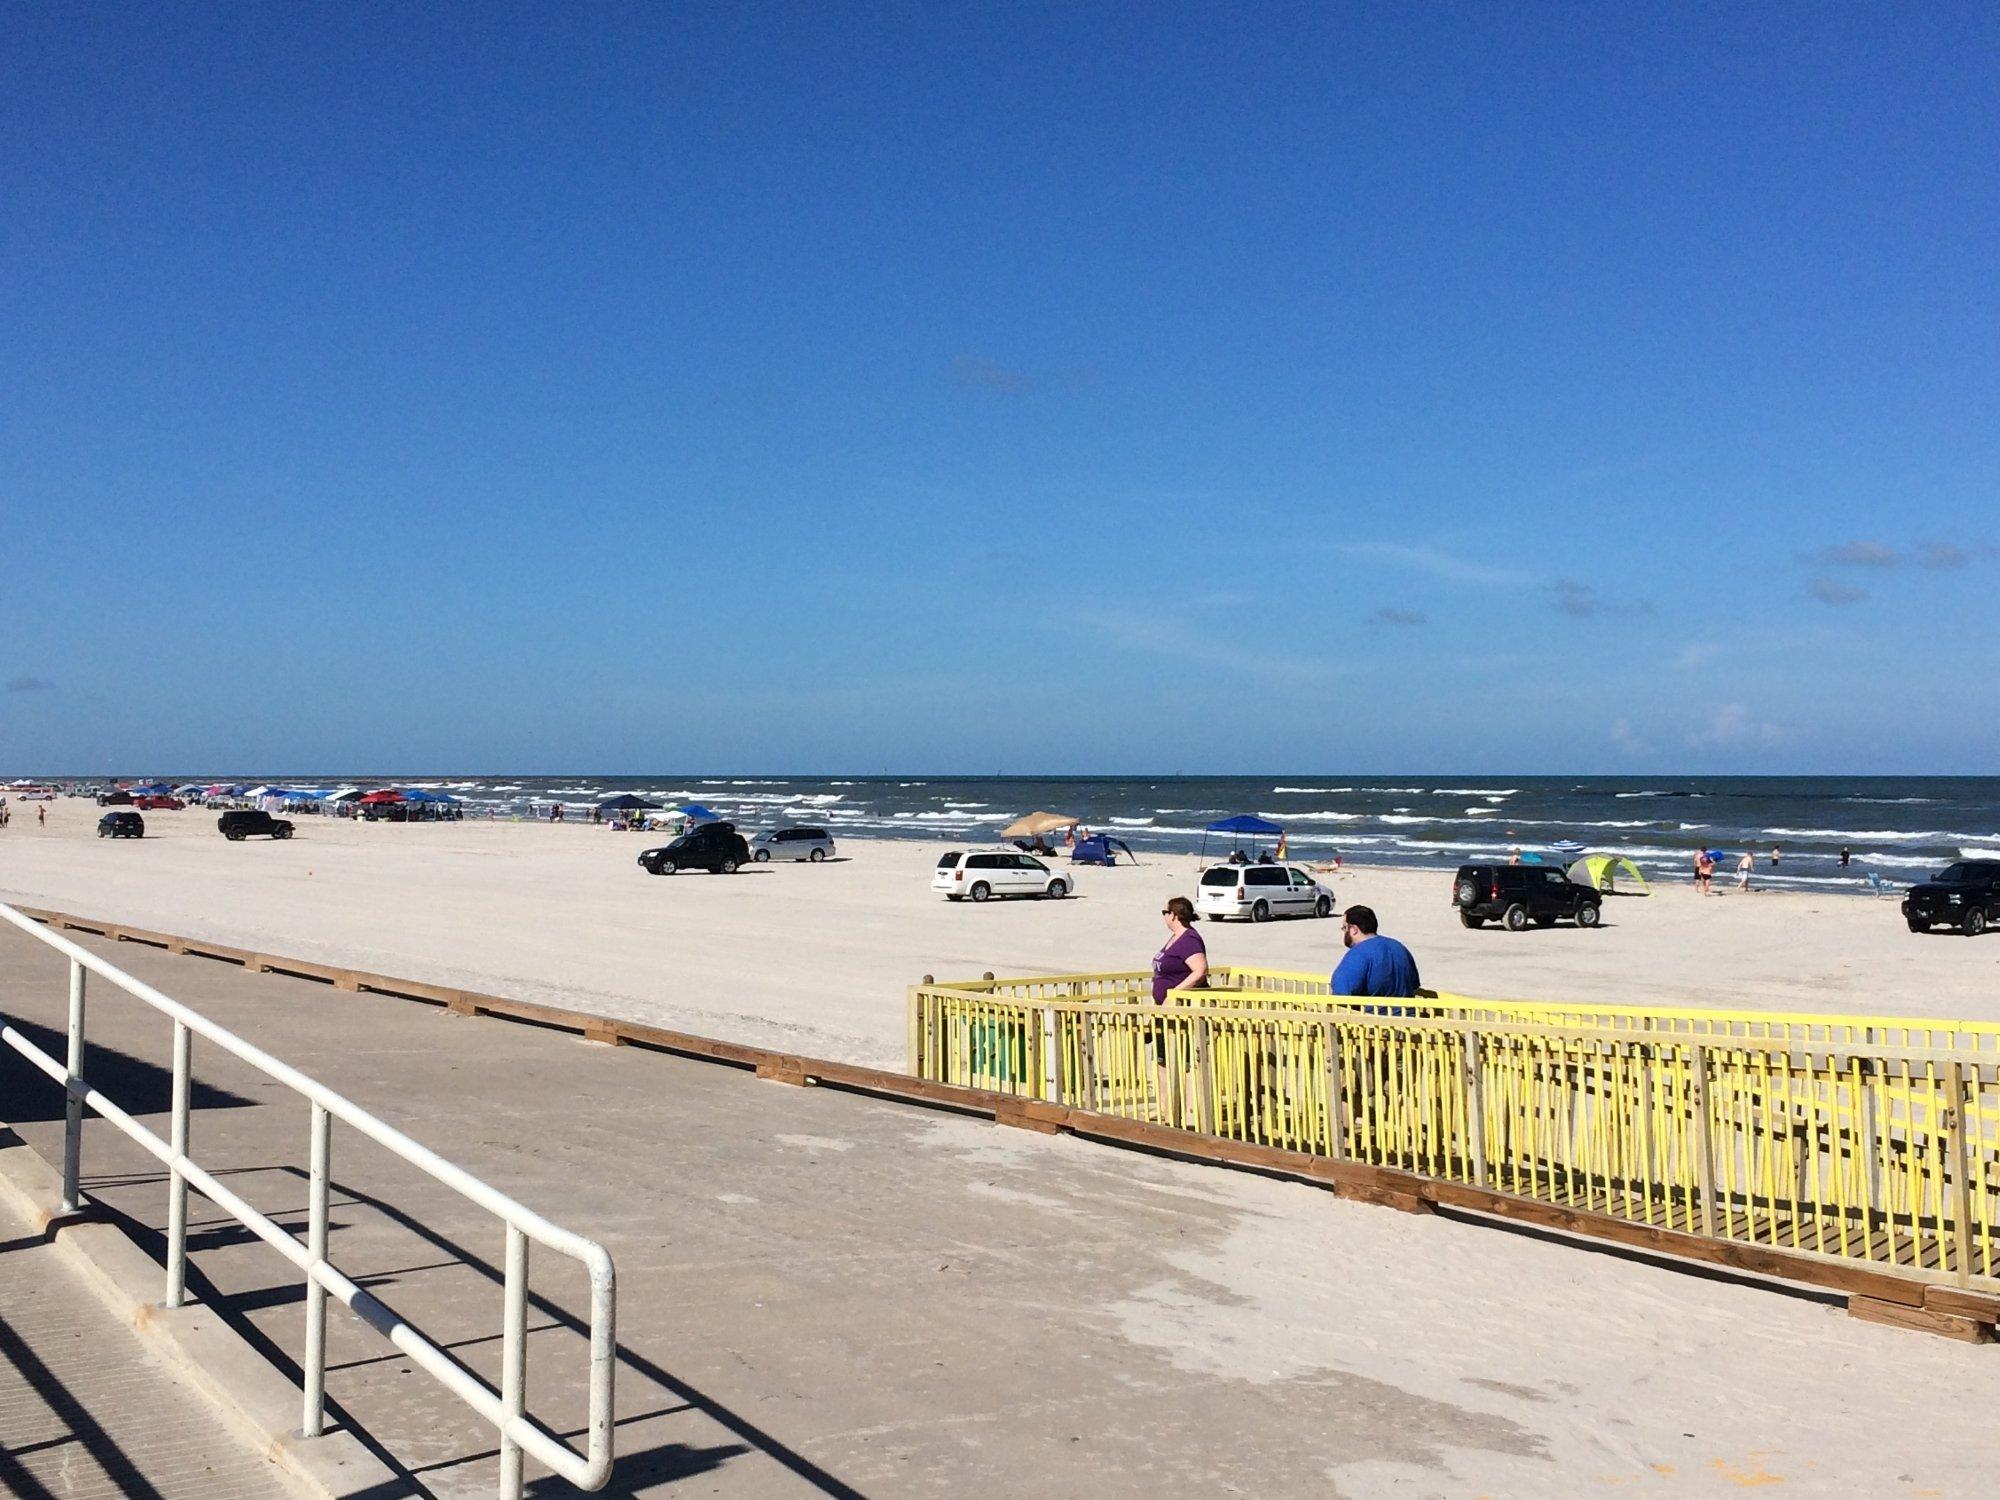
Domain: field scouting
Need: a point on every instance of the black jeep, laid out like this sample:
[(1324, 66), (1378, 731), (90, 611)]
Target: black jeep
[(121, 825), (1965, 895), (1516, 895), (240, 825), (715, 847)]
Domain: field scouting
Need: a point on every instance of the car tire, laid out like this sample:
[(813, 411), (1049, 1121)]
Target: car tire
[(1515, 918), (1467, 919), (234, 838), (1917, 926), (1467, 893), (817, 855), (727, 867), (1261, 912), (1586, 916), (281, 833), (665, 867), (1323, 907), (763, 856), (980, 890), (1058, 889), (1973, 923)]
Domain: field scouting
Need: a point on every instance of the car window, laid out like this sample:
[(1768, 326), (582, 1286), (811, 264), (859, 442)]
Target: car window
[(1299, 877), (982, 862), (1956, 874), (949, 861), (1263, 877), (1218, 877), (1029, 862), (1554, 877)]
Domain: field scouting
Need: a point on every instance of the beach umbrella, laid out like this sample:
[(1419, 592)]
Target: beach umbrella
[(378, 798), (344, 794), (1566, 846), (626, 802), (418, 794), (1037, 822), (700, 814)]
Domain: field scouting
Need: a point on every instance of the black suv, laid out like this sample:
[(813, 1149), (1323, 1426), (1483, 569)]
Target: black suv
[(715, 847), (1519, 894), (240, 825), (121, 825), (1965, 895)]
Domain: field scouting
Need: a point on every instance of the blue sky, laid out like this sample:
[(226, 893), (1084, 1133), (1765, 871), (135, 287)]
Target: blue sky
[(930, 387)]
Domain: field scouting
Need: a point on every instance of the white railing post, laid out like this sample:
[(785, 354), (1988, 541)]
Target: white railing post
[(72, 1172), (177, 1188), (513, 1361), (322, 1151)]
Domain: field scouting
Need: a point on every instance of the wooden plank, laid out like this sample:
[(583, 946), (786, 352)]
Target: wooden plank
[(1920, 1320), (1030, 1114), (1983, 1307), (784, 1070), (607, 1036)]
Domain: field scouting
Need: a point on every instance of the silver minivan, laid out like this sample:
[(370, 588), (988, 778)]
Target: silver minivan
[(1261, 892), (814, 844)]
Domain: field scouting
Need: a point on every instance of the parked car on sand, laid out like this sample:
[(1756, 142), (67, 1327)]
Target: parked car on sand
[(1965, 895), (979, 876), (814, 844), (1516, 895), (237, 826), (1260, 892), (121, 825), (715, 847), (160, 803)]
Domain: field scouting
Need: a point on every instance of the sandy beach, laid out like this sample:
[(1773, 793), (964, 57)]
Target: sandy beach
[(816, 958)]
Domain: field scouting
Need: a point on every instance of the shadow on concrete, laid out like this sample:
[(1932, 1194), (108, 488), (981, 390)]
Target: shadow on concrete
[(79, 1427), (135, 1085), (664, 1464)]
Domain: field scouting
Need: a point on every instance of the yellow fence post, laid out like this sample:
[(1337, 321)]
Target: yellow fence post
[(1961, 1196), (1475, 1108), (1336, 1113), (1204, 1080), (1704, 1135)]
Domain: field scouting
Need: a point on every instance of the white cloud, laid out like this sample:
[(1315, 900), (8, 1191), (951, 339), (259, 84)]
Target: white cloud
[(1436, 564), (1733, 726)]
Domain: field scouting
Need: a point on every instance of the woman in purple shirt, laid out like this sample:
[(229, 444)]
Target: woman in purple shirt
[(1181, 964)]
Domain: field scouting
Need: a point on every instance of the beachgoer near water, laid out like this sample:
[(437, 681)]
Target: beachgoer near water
[(1704, 871), (1743, 868), (1776, 855), (1181, 964), (1846, 856), (1373, 964)]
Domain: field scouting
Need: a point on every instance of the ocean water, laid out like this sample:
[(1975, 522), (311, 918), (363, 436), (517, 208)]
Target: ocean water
[(1897, 827)]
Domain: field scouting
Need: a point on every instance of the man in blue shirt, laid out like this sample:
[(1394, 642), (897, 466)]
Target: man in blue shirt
[(1373, 964)]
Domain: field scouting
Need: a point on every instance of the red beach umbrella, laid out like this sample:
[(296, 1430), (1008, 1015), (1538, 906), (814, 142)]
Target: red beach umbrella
[(387, 794)]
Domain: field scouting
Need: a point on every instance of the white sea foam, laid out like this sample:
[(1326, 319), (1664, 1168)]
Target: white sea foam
[(1133, 822), (1313, 817), (1877, 835), (1330, 791), (1475, 791)]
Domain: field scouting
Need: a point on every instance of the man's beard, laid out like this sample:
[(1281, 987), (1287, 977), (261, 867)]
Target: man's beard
[(1347, 938)]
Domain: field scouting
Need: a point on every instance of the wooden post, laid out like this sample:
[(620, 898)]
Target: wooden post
[(1475, 1105), (1204, 1100), (1704, 1127), (1961, 1196), (915, 1049), (1336, 1112)]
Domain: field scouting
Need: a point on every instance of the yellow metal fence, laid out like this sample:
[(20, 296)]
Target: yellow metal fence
[(1865, 1139)]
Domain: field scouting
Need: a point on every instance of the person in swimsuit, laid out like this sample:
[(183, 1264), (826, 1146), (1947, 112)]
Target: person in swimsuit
[(1704, 870), (1181, 964)]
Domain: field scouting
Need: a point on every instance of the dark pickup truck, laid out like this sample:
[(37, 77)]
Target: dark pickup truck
[(1965, 895)]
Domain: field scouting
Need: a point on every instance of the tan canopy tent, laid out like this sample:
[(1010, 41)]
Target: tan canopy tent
[(1037, 822)]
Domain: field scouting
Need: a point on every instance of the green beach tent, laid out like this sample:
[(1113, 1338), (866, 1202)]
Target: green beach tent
[(1601, 871)]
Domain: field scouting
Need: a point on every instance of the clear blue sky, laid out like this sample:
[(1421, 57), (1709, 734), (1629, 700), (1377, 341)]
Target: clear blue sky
[(1096, 388)]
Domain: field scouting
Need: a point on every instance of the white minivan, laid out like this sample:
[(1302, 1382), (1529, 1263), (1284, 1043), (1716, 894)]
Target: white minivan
[(979, 876), (1261, 892)]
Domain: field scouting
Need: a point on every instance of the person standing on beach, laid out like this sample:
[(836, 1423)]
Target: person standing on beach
[(1373, 965), (1743, 868), (1704, 871), (1776, 855), (1181, 964), (1846, 856), (42, 816)]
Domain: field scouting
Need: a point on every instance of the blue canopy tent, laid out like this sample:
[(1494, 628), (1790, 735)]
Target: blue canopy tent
[(695, 812), (1097, 850), (418, 794), (1240, 824), (150, 789)]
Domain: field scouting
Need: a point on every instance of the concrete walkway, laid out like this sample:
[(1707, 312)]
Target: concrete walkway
[(86, 1411), (826, 1293)]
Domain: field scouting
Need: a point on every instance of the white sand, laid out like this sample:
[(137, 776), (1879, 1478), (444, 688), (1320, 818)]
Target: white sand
[(816, 958)]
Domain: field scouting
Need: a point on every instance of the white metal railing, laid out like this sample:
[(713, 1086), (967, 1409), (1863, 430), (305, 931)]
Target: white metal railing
[(504, 1408)]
